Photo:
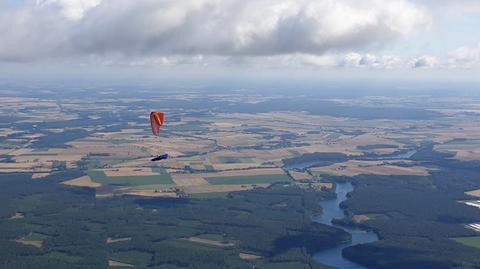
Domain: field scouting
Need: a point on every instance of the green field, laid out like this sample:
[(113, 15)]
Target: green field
[(215, 237), (100, 177), (36, 237), (236, 180), (473, 241), (209, 195), (61, 256), (137, 258)]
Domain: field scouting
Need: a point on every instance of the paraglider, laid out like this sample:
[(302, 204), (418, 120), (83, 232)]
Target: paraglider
[(156, 120)]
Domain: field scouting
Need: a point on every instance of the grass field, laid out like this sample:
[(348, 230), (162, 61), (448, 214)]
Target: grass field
[(259, 179), (56, 255), (100, 177), (216, 237), (36, 237), (473, 241), (138, 258)]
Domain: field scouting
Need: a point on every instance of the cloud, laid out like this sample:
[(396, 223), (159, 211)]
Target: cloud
[(453, 7), (71, 9), (63, 29), (426, 61), (465, 57)]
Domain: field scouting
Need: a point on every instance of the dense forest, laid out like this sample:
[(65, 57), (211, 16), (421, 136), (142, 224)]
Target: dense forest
[(272, 223), (416, 217)]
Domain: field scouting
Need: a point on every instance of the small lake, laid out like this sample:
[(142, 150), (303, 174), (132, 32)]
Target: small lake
[(331, 210)]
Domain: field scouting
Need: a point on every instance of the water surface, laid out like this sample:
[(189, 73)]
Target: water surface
[(331, 210)]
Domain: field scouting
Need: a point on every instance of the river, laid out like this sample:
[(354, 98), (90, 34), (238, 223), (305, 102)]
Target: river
[(331, 210)]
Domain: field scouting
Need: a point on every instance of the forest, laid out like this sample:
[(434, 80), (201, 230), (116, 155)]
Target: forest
[(273, 223), (417, 217)]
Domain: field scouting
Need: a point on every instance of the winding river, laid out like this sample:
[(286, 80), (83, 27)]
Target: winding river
[(332, 210)]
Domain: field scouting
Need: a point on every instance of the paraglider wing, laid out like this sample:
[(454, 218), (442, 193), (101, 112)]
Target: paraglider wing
[(160, 157), (156, 120)]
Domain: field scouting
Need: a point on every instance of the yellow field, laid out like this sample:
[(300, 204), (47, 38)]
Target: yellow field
[(84, 181), (475, 193), (151, 193), (40, 175), (222, 188), (354, 168), (34, 243), (300, 175), (183, 180), (249, 257), (360, 218), (112, 263)]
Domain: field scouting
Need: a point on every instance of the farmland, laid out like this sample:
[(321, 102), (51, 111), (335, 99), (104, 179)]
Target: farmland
[(244, 176)]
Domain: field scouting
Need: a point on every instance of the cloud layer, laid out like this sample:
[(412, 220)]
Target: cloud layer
[(66, 29)]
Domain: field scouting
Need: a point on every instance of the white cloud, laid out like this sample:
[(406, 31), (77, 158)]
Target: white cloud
[(353, 60), (426, 61), (59, 29), (71, 9), (465, 57)]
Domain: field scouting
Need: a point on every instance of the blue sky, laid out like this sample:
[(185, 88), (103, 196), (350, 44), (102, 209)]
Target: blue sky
[(324, 38)]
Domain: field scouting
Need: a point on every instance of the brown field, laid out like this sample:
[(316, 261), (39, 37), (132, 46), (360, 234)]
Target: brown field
[(468, 155), (116, 240), (20, 151), (233, 166), (300, 176), (40, 175), (360, 218), (249, 172), (26, 166), (210, 242), (465, 152), (475, 193), (188, 179), (354, 168), (233, 139), (249, 257), (151, 193), (84, 181), (112, 263), (276, 154), (34, 243), (221, 188), (340, 148)]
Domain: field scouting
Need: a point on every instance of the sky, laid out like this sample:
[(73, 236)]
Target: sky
[(391, 39)]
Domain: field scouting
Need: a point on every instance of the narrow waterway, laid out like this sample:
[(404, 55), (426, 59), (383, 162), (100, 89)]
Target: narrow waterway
[(332, 210)]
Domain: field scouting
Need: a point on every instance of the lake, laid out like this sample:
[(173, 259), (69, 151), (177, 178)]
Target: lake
[(331, 210)]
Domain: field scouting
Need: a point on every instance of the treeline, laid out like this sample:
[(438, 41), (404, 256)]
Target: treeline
[(273, 223), (419, 215)]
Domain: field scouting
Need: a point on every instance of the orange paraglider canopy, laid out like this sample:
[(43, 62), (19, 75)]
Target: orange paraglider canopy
[(156, 120)]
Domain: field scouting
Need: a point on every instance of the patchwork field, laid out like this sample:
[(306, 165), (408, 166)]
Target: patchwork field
[(353, 168), (214, 152)]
